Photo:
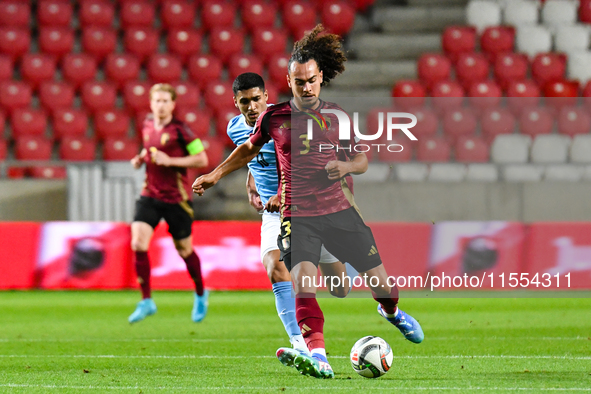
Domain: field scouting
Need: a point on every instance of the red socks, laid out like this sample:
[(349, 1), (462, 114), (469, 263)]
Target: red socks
[(388, 304), (194, 268), (310, 319), (142, 268)]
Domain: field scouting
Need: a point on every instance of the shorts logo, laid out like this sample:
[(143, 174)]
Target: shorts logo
[(285, 243), (373, 251)]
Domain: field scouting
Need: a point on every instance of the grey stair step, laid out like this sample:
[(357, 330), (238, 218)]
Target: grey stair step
[(360, 73), (370, 46), (405, 19)]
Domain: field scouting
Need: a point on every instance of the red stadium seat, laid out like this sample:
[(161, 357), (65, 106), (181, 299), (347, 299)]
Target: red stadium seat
[(98, 13), (510, 67), (219, 96), (394, 155), (496, 40), (471, 68), (36, 68), (495, 121), (139, 119), (77, 149), (78, 68), (221, 124), (2, 124), (204, 69), (433, 149), (214, 147), (137, 13), (184, 43), (27, 121), (177, 14), (337, 16), (187, 94), (548, 67), (218, 13), (56, 94), (6, 68), (408, 94), (272, 93), (97, 96), (112, 123), (56, 41), (3, 150), (54, 13), (141, 41), (587, 95), (164, 68), (14, 41), (32, 148), (427, 122), (561, 93), (98, 41), (298, 15), (47, 172), (121, 67), (69, 122), (470, 149), (447, 95), (522, 94), (485, 94), (432, 68), (277, 69), (224, 42), (241, 63), (536, 120), (15, 13), (15, 95), (267, 42), (197, 120), (258, 14), (136, 96), (585, 11), (459, 122), (120, 149), (573, 121), (457, 40)]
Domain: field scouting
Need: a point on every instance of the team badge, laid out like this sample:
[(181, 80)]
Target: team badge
[(164, 138)]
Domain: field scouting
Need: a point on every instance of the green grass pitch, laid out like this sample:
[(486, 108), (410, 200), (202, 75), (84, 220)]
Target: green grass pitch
[(72, 342)]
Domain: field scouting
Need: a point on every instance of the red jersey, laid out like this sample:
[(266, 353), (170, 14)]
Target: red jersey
[(304, 187), (167, 184)]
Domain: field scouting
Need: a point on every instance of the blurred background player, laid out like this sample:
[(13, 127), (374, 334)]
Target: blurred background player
[(250, 97), (170, 147), (324, 211)]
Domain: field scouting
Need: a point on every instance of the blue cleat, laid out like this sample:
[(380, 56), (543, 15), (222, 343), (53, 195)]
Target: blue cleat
[(305, 364), (200, 307), (144, 308), (408, 326)]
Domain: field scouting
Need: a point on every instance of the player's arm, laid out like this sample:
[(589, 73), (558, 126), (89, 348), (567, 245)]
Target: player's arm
[(337, 169), (195, 159), (138, 160), (251, 190)]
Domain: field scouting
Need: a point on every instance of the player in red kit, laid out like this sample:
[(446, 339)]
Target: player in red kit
[(315, 200), (170, 147)]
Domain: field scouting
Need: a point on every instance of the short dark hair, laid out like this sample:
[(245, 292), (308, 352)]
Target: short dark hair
[(247, 81)]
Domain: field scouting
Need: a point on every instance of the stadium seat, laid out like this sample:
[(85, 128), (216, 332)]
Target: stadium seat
[(585, 11), (432, 68), (27, 121), (536, 120), (15, 13), (2, 124), (407, 94), (183, 43), (120, 149), (164, 68), (267, 42), (458, 122), (580, 149), (298, 15), (178, 14), (56, 94), (36, 68), (573, 121), (411, 172), (78, 68), (497, 40), (272, 93), (136, 96), (224, 42), (31, 147), (457, 40), (482, 172), (510, 67), (578, 66), (277, 69), (16, 172), (77, 149), (98, 13), (111, 123), (495, 121), (204, 69), (137, 13), (548, 67), (485, 94), (550, 148), (338, 16), (372, 120), (69, 122), (219, 96), (240, 63), (97, 96), (433, 149), (427, 122), (471, 68), (482, 14), (214, 146), (187, 94), (221, 124), (447, 95), (218, 13), (258, 14), (519, 13), (559, 12), (47, 172), (471, 149), (447, 172), (532, 40), (572, 38), (121, 67), (98, 41), (14, 95), (3, 150), (587, 96), (14, 41), (54, 13), (138, 121), (141, 41), (56, 41), (522, 94), (197, 120), (394, 154), (6, 68), (561, 93), (510, 148)]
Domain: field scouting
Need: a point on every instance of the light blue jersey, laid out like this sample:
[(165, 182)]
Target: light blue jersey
[(264, 166)]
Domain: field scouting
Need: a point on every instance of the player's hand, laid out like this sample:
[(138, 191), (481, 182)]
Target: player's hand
[(159, 158), (137, 161), (255, 201), (336, 169), (273, 205), (203, 183)]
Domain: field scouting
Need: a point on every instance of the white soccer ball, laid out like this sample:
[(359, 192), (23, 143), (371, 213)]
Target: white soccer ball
[(371, 357)]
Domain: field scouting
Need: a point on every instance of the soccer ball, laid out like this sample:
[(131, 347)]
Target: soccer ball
[(371, 357)]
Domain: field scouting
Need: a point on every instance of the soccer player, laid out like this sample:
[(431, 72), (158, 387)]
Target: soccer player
[(250, 97), (316, 206), (170, 147)]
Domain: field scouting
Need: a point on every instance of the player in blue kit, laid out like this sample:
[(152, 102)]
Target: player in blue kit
[(262, 183)]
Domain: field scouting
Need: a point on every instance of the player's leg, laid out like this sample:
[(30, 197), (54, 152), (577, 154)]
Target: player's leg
[(335, 272)]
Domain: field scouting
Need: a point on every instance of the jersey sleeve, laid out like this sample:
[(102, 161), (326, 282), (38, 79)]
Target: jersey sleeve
[(193, 144), (260, 135)]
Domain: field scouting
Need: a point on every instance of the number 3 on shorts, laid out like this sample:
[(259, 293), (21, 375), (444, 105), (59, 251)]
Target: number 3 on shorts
[(287, 227)]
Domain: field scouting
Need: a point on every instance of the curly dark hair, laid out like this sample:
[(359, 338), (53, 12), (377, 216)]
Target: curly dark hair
[(326, 49)]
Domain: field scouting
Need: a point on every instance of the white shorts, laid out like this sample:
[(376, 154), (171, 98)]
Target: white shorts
[(270, 230)]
